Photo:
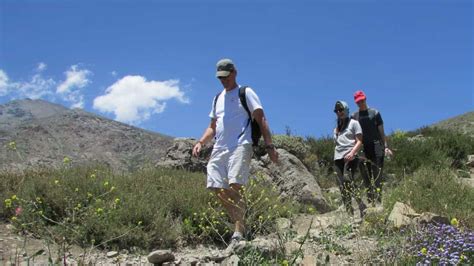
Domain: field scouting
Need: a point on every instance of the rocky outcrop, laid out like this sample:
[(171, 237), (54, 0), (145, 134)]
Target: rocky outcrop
[(292, 179), (290, 176), (179, 156), (403, 215)]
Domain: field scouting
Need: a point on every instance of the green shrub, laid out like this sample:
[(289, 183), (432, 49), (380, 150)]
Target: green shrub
[(322, 150), (292, 144), (149, 209), (263, 207), (434, 189), (428, 148), (92, 206)]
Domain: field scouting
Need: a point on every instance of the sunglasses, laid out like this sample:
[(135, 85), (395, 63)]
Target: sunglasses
[(221, 78), (338, 110)]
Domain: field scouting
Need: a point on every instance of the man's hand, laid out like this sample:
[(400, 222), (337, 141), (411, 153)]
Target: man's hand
[(272, 153), (197, 149)]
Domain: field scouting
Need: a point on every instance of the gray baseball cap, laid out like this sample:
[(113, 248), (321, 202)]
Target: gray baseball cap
[(224, 67)]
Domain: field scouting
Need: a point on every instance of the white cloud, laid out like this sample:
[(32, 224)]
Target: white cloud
[(113, 73), (69, 89), (133, 99), (3, 83), (75, 78), (41, 66), (36, 88)]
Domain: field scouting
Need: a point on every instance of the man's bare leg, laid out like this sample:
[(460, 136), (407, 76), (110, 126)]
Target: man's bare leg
[(232, 201)]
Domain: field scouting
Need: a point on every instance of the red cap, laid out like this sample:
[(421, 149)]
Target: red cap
[(359, 96)]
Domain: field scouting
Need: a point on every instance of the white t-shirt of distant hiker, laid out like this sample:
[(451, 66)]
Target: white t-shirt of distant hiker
[(346, 139), (232, 118)]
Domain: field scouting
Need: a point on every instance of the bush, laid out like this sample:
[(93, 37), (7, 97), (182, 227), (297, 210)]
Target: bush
[(292, 144), (263, 207), (428, 148), (322, 150), (149, 209), (90, 206), (434, 189)]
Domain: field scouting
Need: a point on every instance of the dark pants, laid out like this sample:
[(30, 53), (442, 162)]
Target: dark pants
[(371, 170), (347, 184)]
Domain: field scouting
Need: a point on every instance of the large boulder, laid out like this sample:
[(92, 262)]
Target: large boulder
[(291, 178), (179, 156)]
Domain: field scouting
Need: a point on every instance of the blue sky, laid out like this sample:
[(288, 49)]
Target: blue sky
[(152, 63)]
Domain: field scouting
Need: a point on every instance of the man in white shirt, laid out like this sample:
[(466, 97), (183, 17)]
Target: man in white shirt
[(229, 165)]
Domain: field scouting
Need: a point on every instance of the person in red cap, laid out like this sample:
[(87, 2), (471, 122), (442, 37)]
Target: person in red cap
[(375, 147)]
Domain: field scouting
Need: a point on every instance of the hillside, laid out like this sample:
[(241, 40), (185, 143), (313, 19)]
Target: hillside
[(462, 123), (44, 134)]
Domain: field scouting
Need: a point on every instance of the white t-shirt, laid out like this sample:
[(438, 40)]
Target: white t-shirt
[(346, 139), (232, 118)]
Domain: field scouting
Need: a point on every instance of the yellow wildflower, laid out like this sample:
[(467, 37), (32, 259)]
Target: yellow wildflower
[(66, 160), (8, 203), (12, 145), (423, 251), (454, 222)]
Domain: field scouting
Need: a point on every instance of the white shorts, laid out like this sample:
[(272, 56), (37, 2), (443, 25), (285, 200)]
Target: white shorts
[(229, 166)]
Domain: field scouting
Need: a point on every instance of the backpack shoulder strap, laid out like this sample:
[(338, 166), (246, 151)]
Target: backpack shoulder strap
[(243, 100), (372, 113)]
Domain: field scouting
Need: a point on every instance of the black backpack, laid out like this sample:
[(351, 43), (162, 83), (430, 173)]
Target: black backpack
[(256, 132)]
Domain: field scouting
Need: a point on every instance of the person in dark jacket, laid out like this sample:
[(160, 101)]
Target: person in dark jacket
[(375, 147)]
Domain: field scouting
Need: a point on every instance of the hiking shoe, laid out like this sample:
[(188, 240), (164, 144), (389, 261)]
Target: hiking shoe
[(234, 245)]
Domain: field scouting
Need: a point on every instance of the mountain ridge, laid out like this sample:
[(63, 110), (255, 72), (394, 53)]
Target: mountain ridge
[(45, 133)]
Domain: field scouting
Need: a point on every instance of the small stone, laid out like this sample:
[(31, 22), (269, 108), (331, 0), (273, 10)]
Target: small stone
[(112, 254), (160, 256)]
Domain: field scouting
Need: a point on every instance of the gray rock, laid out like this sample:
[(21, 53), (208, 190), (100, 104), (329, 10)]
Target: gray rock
[(401, 215), (470, 160), (112, 254), (231, 261), (466, 181), (292, 179), (266, 246), (428, 217), (179, 156), (160, 256), (290, 176)]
